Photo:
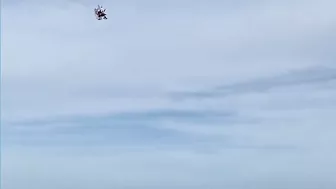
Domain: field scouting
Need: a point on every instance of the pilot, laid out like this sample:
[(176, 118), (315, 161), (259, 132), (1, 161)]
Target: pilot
[(101, 13)]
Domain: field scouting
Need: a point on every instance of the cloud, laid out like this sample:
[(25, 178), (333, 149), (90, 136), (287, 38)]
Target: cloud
[(293, 79), (169, 94)]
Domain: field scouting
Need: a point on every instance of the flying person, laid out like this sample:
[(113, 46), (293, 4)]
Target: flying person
[(100, 13)]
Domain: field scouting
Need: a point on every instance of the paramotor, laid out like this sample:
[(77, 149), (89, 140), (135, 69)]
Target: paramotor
[(100, 13)]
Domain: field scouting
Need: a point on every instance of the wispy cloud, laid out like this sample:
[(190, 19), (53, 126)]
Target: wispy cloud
[(292, 79)]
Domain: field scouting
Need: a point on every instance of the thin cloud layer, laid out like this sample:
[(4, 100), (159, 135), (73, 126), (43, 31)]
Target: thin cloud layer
[(169, 94)]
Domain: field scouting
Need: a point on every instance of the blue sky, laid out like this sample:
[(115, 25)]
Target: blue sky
[(169, 94)]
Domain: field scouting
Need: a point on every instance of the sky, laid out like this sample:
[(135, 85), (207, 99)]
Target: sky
[(201, 94)]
